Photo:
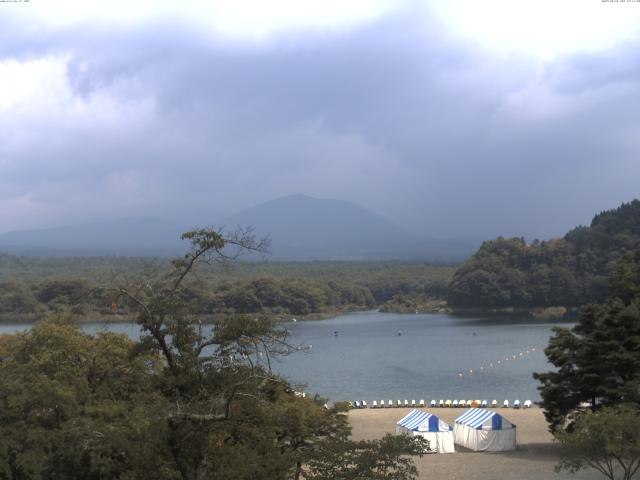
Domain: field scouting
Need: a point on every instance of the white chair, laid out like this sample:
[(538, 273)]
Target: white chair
[(364, 404), (527, 404), (357, 404), (494, 403), (421, 403), (398, 403), (390, 404), (406, 403), (516, 404), (413, 404), (484, 404), (448, 404), (505, 404), (462, 403), (374, 404), (382, 405), (441, 403), (433, 404), (455, 404)]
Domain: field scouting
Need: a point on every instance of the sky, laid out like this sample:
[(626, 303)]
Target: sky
[(456, 118)]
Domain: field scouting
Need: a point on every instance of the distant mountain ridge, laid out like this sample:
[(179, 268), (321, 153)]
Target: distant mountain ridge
[(300, 228), (568, 271), (129, 237)]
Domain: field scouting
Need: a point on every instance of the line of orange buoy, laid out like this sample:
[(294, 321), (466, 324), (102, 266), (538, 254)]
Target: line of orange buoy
[(484, 367)]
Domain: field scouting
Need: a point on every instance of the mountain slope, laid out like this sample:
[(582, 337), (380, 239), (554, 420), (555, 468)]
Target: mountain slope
[(302, 226), (570, 271)]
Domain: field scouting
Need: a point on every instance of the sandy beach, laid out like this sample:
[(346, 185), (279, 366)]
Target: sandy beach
[(534, 458)]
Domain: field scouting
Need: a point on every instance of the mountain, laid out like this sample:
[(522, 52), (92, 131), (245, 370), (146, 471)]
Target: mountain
[(300, 228), (568, 271), (306, 228), (130, 236)]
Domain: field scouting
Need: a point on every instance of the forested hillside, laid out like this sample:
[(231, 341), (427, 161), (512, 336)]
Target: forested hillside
[(569, 271)]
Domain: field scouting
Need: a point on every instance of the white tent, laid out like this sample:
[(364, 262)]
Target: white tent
[(424, 424), (484, 430)]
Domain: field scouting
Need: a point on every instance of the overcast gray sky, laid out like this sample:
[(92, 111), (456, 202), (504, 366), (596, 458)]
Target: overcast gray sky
[(453, 118)]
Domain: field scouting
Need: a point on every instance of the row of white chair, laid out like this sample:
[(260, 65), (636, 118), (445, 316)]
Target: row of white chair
[(440, 404), (398, 404)]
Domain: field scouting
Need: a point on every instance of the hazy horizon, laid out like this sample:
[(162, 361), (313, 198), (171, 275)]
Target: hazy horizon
[(219, 219)]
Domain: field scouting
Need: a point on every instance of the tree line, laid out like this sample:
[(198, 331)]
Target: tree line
[(569, 271), (290, 289)]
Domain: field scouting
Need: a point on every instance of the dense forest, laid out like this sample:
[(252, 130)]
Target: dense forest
[(569, 271), (32, 287), (181, 403)]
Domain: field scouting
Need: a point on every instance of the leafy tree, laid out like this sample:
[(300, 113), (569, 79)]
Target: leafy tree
[(607, 441), (64, 291), (75, 406), (305, 426), (17, 298), (367, 460), (231, 417), (598, 360)]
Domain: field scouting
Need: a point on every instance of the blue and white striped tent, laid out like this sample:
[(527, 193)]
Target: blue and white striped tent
[(484, 430), (424, 424)]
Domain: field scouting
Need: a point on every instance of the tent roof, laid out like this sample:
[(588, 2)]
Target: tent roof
[(418, 420), (482, 419)]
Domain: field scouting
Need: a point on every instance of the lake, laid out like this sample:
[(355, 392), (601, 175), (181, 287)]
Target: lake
[(431, 359), (434, 357)]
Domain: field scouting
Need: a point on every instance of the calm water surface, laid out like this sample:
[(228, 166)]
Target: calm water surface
[(369, 360), (431, 359)]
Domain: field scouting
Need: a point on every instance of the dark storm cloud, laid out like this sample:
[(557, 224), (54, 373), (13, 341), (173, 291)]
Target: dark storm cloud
[(394, 115)]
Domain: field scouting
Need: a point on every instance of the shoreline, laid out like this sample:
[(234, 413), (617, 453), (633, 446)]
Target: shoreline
[(553, 313), (437, 308)]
